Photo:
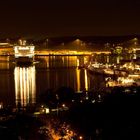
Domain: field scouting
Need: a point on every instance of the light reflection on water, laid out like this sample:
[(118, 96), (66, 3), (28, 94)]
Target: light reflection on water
[(58, 71), (3, 62), (25, 84)]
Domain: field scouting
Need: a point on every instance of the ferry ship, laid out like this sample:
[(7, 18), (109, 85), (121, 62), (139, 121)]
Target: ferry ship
[(24, 54)]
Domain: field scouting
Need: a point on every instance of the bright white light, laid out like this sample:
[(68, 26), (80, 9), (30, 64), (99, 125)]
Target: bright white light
[(47, 110), (80, 137), (21, 51), (25, 89)]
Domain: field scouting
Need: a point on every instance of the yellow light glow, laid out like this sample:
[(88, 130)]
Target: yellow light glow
[(86, 79), (47, 111), (78, 63), (78, 79)]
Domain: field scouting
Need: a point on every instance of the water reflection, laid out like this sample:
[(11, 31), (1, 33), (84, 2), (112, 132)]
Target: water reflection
[(25, 85), (51, 72), (54, 72), (59, 61), (78, 79), (3, 62), (86, 80), (82, 80)]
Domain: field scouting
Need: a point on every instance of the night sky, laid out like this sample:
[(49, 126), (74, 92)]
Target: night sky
[(41, 18)]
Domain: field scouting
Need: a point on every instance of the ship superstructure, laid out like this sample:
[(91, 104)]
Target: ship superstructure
[(23, 52)]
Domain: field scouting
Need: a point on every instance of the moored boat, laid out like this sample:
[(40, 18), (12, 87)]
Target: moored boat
[(106, 70)]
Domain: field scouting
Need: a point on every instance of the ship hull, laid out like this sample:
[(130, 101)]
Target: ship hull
[(24, 61)]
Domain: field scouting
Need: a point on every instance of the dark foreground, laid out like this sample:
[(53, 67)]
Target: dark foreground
[(109, 115)]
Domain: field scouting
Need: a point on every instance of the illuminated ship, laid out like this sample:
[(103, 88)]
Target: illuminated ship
[(106, 70), (24, 54), (100, 69)]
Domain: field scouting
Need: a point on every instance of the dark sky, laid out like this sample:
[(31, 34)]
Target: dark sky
[(35, 18)]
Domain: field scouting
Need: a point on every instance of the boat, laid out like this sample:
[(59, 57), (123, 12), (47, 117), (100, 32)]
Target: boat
[(106, 70), (95, 68), (24, 54)]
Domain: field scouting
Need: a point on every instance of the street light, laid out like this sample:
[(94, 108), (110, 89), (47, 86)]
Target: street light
[(80, 137)]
